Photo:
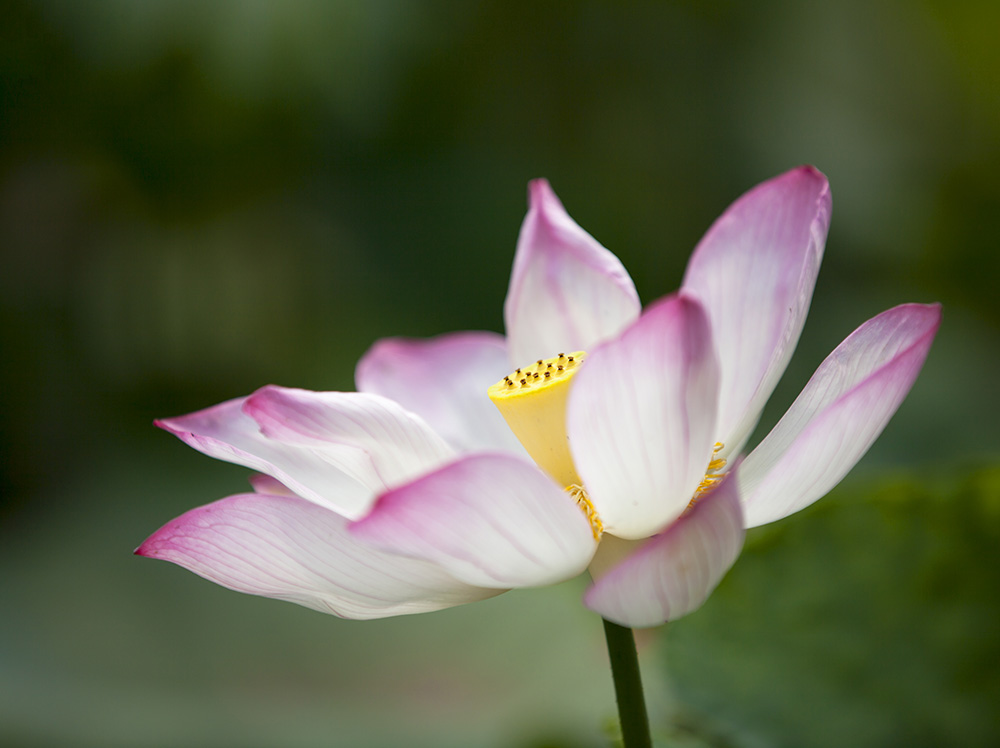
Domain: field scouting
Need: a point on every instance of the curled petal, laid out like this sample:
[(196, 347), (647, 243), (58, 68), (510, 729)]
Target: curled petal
[(673, 573), (490, 520), (755, 271), (225, 432), (567, 292), (372, 439), (840, 412), (291, 549), (641, 418), (444, 381)]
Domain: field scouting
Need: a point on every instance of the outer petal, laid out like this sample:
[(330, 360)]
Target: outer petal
[(490, 520), (755, 271), (225, 432), (673, 573), (371, 444), (291, 549), (369, 437), (444, 380), (641, 418), (839, 413), (567, 292)]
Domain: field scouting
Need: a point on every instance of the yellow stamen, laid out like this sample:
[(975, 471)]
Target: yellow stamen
[(713, 475), (533, 401), (579, 495)]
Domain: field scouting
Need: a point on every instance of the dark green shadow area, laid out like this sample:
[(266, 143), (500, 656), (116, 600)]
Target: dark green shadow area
[(869, 620)]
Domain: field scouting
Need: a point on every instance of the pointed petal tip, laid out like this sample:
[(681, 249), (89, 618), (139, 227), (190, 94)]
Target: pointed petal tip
[(168, 425), (801, 178), (152, 546), (806, 173), (839, 414), (288, 548), (567, 291), (540, 191), (808, 170)]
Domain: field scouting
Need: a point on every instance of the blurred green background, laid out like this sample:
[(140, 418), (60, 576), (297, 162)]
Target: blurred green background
[(199, 198)]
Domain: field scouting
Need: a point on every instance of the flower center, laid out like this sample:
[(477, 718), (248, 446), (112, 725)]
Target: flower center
[(533, 402)]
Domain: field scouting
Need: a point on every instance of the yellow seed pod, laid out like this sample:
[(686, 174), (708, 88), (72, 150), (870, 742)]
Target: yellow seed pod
[(533, 401)]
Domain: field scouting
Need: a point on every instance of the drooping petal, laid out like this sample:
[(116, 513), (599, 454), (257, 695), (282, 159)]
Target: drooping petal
[(225, 432), (840, 412), (444, 380), (291, 549), (490, 520), (567, 292), (641, 418), (755, 271), (673, 573), (372, 439)]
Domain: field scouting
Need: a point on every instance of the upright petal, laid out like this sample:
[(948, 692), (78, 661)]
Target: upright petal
[(840, 412), (225, 432), (755, 271), (490, 520), (673, 573), (567, 292), (641, 418), (291, 549), (444, 380)]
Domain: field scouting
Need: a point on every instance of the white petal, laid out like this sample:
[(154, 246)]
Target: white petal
[(839, 414), (337, 449), (225, 432), (372, 439), (444, 380), (755, 271), (641, 418), (673, 573), (567, 292), (291, 549), (489, 520)]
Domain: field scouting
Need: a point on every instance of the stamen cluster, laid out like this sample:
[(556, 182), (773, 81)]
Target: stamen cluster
[(579, 494)]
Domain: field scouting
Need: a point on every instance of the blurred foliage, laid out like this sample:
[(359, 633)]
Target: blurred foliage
[(869, 620), (200, 198)]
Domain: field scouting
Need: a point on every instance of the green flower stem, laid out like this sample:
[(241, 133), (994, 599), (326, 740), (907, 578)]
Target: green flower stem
[(628, 686)]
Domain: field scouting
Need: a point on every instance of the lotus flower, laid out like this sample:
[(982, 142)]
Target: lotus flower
[(594, 435)]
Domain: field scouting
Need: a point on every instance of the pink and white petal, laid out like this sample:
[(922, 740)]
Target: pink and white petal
[(673, 573), (291, 549), (444, 381), (567, 292), (370, 438), (755, 271), (839, 414), (225, 432), (641, 418), (490, 520), (263, 483)]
